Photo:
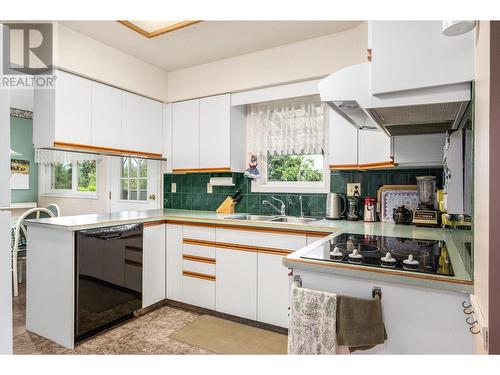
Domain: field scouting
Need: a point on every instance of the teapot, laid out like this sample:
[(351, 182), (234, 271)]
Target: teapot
[(402, 215)]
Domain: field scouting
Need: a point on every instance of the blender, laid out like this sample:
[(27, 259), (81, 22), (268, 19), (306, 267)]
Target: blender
[(426, 215)]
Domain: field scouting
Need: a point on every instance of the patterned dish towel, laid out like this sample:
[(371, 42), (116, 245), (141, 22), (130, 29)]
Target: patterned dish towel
[(313, 323)]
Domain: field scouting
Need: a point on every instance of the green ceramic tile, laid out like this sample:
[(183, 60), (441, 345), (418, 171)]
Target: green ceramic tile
[(241, 206), (177, 200), (216, 201), (199, 182), (375, 181), (253, 203), (187, 201), (187, 183)]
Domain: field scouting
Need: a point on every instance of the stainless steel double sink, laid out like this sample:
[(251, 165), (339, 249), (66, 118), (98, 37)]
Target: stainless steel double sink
[(275, 219)]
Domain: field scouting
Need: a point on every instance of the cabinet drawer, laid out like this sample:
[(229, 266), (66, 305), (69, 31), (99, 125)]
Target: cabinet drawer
[(199, 233), (198, 267), (285, 241), (198, 292), (198, 250)]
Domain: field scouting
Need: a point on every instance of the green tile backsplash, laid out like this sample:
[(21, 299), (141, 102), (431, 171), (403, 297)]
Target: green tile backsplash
[(192, 190)]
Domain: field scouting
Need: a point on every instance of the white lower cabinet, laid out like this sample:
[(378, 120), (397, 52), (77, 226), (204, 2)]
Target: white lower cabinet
[(174, 262), (272, 290), (153, 274), (198, 291), (236, 282)]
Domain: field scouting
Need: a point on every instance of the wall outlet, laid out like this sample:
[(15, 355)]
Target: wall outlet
[(351, 188), (173, 187), (209, 188)]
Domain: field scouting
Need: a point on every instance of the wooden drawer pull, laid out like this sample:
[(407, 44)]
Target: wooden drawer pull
[(197, 275), (195, 258)]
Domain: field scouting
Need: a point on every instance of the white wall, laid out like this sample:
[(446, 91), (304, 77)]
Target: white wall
[(481, 169), (298, 61), (80, 54), (82, 206)]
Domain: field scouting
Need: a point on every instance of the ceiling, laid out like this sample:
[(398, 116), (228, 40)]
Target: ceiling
[(205, 41)]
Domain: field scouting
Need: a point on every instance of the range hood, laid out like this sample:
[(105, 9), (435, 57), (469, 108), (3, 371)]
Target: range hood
[(419, 111)]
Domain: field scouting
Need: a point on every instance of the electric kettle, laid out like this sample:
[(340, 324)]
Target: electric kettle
[(336, 206)]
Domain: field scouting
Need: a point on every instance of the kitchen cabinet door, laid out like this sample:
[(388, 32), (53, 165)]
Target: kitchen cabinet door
[(153, 272), (106, 116), (186, 135), (374, 147), (167, 135), (215, 131), (272, 290), (72, 114), (414, 54), (142, 128), (174, 262), (343, 141), (236, 282)]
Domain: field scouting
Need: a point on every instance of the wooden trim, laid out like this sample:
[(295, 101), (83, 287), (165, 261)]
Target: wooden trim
[(382, 164), (164, 30), (237, 247), (195, 224), (97, 149), (195, 258), (189, 241), (197, 275), (203, 170), (154, 223), (267, 250), (342, 166), (378, 165), (133, 263), (379, 271)]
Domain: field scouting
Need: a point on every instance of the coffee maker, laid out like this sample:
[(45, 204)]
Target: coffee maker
[(353, 212), (426, 215)]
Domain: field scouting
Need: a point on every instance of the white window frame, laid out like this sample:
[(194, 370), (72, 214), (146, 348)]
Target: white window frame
[(45, 183), (120, 199), (258, 186)]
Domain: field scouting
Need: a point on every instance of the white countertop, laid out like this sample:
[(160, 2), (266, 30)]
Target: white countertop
[(462, 280)]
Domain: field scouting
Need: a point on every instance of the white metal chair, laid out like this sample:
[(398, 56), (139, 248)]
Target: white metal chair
[(34, 213), (56, 210)]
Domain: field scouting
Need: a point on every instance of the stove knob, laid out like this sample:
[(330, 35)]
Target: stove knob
[(410, 261), (336, 253), (355, 254), (388, 261)]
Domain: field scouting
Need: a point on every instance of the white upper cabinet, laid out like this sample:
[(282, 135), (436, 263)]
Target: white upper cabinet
[(215, 131), (80, 114), (343, 141), (374, 147), (415, 54), (208, 135), (167, 135), (106, 116), (142, 128), (186, 135), (72, 109)]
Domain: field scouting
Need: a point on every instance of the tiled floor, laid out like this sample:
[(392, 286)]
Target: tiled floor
[(147, 334)]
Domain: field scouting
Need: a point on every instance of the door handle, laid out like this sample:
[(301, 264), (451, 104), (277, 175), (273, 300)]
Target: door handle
[(152, 197)]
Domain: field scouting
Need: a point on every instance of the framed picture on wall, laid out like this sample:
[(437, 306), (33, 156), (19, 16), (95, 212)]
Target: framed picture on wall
[(19, 174)]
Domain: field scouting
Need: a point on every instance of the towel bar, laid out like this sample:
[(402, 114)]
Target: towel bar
[(376, 290)]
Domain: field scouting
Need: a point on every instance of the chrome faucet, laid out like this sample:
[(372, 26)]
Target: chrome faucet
[(281, 210)]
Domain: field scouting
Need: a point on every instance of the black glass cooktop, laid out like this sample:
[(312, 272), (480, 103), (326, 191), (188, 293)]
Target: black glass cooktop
[(405, 254)]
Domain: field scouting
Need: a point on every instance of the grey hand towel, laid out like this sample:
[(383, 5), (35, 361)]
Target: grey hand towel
[(359, 323)]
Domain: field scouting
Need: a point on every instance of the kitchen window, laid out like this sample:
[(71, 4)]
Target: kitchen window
[(72, 179), (289, 138), (134, 179)]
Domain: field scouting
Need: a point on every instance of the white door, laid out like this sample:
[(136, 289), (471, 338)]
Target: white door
[(153, 274), (343, 141), (106, 116), (186, 134), (273, 290), (215, 131), (374, 147), (236, 282), (135, 184), (142, 128)]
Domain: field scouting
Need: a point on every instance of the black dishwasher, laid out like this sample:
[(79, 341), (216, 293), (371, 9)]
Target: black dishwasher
[(108, 285)]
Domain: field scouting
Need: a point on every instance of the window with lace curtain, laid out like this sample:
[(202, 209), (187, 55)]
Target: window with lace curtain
[(289, 138)]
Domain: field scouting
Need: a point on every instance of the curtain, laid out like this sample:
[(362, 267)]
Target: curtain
[(293, 126), (56, 156)]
